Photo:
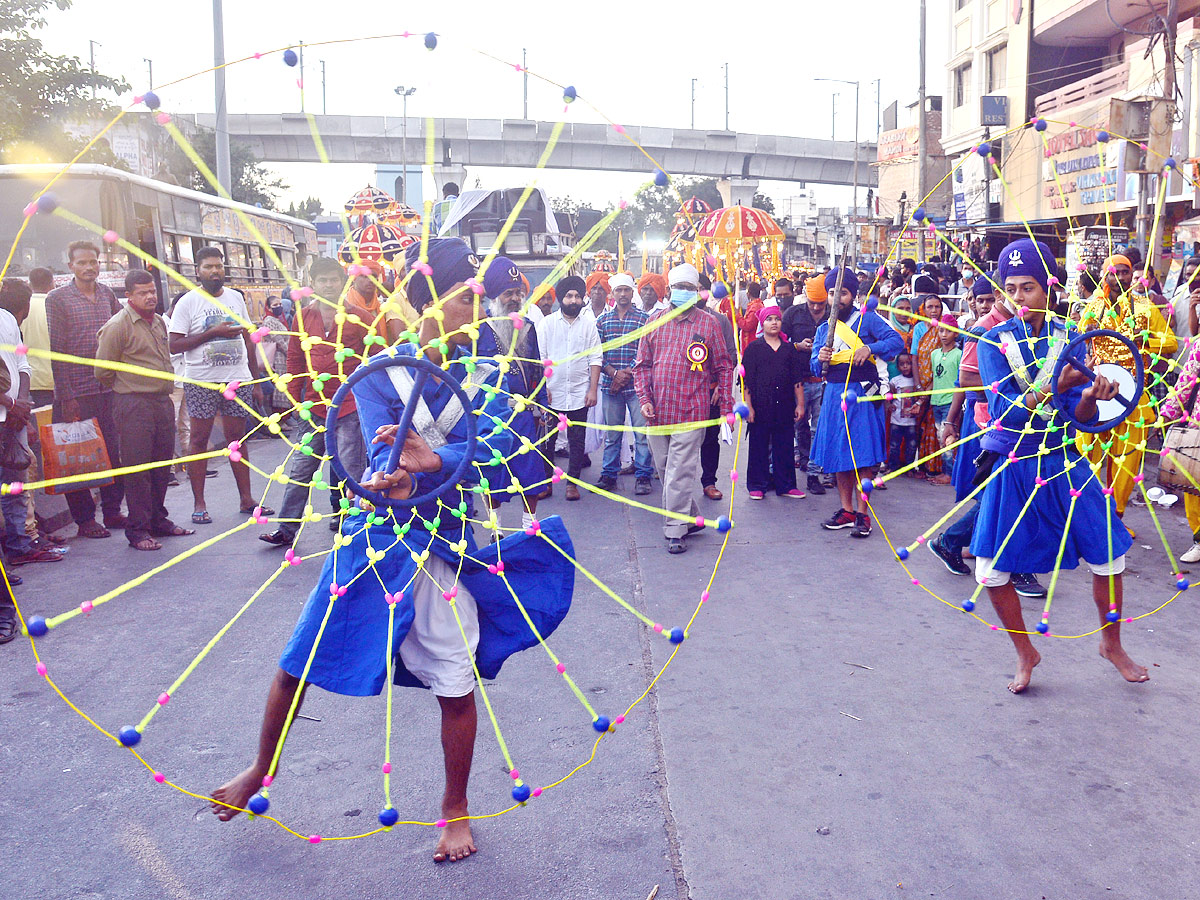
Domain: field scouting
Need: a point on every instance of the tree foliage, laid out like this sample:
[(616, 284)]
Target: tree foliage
[(309, 208), (253, 183), (40, 92)]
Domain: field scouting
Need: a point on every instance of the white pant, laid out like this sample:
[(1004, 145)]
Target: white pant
[(988, 577), (434, 650)]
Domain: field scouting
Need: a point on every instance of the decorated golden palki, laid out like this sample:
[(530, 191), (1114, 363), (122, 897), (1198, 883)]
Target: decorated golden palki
[(604, 261), (401, 216), (375, 243), (738, 242)]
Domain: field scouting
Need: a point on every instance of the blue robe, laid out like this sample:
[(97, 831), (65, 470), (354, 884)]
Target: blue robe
[(1034, 544), (862, 424), (963, 475), (351, 657)]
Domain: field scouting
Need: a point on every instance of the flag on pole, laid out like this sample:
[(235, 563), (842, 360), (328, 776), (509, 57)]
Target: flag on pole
[(620, 251), (643, 253)]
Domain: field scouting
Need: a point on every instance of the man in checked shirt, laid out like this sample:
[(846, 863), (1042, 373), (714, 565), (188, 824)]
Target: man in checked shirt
[(683, 368)]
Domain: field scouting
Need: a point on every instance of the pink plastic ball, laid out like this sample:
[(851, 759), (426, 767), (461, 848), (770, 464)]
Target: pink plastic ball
[(537, 792), (41, 669), (561, 668), (111, 237), (387, 768), (160, 777), (163, 698)]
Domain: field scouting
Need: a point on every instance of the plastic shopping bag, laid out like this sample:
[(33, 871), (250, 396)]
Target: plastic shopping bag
[(74, 448)]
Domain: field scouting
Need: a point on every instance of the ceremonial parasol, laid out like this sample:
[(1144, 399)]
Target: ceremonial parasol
[(403, 216), (370, 200), (693, 206), (739, 241), (604, 261), (378, 243)]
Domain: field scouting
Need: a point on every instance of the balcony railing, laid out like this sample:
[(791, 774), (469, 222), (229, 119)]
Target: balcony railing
[(1109, 83)]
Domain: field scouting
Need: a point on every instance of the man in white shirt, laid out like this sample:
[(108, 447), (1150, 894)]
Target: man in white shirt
[(37, 337), (573, 343), (1181, 302), (207, 328)]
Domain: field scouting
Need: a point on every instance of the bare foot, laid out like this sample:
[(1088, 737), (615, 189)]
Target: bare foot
[(456, 842), (1129, 670), (231, 797), (1025, 664)]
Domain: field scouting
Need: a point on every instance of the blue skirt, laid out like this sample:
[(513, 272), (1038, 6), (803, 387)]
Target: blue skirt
[(963, 475), (528, 469), (1033, 546), (831, 445), (351, 657)]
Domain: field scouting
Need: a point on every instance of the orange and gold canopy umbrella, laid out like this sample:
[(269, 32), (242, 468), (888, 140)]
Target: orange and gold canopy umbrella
[(738, 242), (370, 201)]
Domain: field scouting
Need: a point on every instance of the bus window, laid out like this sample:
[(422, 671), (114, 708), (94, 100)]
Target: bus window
[(187, 215), (261, 258), (44, 242)]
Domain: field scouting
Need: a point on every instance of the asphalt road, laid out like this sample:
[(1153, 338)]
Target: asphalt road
[(827, 731)]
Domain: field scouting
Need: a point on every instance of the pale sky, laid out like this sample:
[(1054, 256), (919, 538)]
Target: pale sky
[(633, 60)]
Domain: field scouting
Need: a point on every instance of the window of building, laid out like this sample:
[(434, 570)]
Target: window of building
[(997, 64), (962, 85)]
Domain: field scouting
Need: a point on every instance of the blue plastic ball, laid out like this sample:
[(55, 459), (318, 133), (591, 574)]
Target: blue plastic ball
[(290, 58), (720, 291), (47, 203), (984, 149), (129, 736), (1113, 616), (569, 94), (902, 553), (1102, 136), (968, 605), (36, 626), (1039, 125), (601, 724), (258, 804), (151, 100), (1182, 584), (741, 410), (723, 524), (521, 793), (867, 485), (676, 636), (660, 178), (919, 214), (1043, 627), (430, 41), (388, 817), (1170, 163)]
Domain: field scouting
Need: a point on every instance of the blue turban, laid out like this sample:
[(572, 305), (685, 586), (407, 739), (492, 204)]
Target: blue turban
[(982, 286), (849, 282), (452, 262), (502, 274), (1030, 258), (571, 283)]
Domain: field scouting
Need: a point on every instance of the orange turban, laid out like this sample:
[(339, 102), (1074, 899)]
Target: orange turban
[(655, 281), (815, 290), (1106, 270), (597, 278)]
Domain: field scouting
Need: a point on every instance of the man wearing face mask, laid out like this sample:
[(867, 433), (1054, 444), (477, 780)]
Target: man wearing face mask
[(680, 363), (569, 338)]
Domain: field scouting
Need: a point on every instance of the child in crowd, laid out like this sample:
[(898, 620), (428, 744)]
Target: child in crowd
[(946, 358), (903, 437)]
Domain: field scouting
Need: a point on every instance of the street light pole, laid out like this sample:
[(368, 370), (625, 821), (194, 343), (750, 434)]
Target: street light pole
[(324, 108), (150, 68), (525, 85), (854, 208), (302, 76), (404, 93), (693, 104), (726, 96), (221, 138), (833, 120), (92, 45)]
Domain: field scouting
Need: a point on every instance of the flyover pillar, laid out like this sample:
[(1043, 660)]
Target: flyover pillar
[(445, 172), (737, 190)]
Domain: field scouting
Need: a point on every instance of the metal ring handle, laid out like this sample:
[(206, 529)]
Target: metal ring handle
[(424, 369)]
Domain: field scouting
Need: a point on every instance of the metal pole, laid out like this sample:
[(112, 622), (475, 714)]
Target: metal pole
[(324, 108), (525, 86), (404, 152), (150, 67), (922, 147), (92, 45), (987, 180), (833, 120), (302, 76), (693, 104), (854, 218), (224, 175), (878, 108), (726, 96)]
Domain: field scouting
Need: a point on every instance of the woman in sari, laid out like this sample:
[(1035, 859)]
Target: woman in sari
[(925, 337), (902, 323)]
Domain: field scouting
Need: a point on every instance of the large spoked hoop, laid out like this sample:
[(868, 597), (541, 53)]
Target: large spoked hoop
[(1126, 404), (423, 370)]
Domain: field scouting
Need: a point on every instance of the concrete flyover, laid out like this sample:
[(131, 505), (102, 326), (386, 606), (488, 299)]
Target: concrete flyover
[(519, 142)]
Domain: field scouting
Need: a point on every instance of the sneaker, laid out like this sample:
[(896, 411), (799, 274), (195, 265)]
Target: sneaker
[(1027, 586), (952, 558), (642, 486), (862, 526), (840, 519), (676, 545), (795, 494), (607, 482), (35, 556), (1192, 554), (815, 487), (756, 495)]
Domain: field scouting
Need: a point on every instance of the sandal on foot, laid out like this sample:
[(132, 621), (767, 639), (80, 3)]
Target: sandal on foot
[(93, 529), (676, 545), (176, 531), (147, 543), (262, 510), (201, 518)]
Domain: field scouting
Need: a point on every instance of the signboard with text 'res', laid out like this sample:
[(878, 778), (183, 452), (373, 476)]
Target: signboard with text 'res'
[(993, 111)]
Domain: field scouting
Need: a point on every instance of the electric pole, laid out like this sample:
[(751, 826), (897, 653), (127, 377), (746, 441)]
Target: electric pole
[(726, 96), (922, 146), (694, 105), (224, 175)]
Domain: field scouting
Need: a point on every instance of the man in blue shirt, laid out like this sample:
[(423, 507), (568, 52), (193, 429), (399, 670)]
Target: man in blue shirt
[(620, 330)]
